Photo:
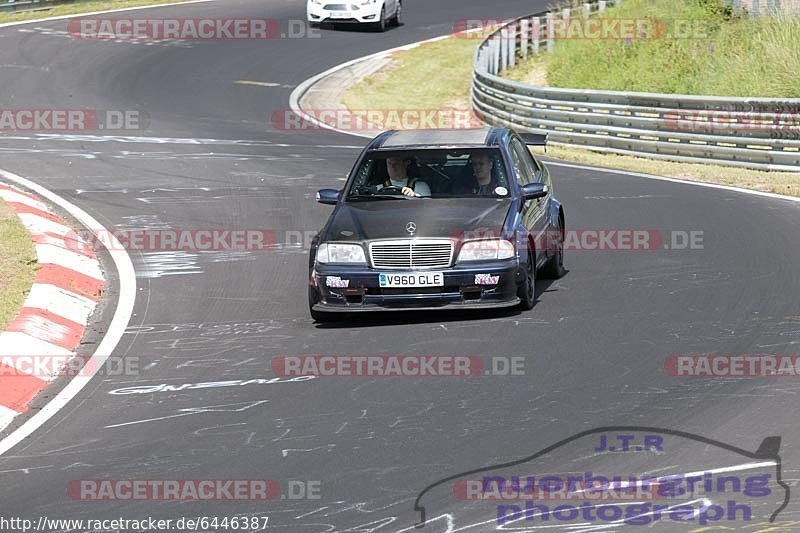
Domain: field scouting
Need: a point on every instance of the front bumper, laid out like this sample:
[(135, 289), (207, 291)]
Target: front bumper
[(461, 289), (353, 14)]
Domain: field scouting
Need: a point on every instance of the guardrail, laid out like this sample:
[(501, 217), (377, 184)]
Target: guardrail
[(31, 5), (760, 133)]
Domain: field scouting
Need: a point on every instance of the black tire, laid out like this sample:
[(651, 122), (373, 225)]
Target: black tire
[(314, 24), (321, 316), (380, 26), (554, 268), (527, 291), (396, 19)]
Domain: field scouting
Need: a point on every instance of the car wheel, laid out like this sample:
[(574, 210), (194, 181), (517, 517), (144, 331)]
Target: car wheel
[(554, 268), (527, 291), (321, 316), (381, 24), (397, 19), (314, 24)]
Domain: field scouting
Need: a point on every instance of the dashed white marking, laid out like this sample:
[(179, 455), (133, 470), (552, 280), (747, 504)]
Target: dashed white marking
[(327, 447), (177, 263), (227, 408), (257, 83)]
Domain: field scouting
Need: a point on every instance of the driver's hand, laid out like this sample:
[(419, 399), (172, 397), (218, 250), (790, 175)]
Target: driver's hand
[(408, 191)]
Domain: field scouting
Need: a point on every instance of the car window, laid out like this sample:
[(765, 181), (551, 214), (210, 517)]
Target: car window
[(447, 173), (523, 163)]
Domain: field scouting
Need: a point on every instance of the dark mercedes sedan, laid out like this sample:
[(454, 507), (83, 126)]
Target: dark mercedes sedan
[(433, 219)]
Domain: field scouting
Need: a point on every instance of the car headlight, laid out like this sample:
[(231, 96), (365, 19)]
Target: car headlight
[(486, 250), (341, 253)]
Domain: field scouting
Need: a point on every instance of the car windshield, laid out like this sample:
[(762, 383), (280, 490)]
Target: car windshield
[(430, 173)]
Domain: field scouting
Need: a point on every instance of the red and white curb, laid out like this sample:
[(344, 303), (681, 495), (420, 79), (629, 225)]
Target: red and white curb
[(46, 332)]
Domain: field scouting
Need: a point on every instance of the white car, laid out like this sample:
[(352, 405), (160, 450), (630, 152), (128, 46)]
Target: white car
[(377, 13)]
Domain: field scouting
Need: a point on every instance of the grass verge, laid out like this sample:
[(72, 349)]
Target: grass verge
[(702, 47), (76, 8), (17, 264), (438, 76), (435, 75)]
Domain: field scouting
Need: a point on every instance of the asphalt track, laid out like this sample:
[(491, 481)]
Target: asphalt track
[(593, 346)]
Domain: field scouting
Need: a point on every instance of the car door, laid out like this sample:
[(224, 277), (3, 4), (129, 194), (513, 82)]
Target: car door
[(534, 212)]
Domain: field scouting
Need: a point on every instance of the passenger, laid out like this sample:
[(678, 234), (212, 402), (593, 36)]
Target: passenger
[(481, 182), (397, 169)]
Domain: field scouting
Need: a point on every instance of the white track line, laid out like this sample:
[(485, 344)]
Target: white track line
[(300, 90), (6, 416), (678, 180), (122, 314), (92, 13)]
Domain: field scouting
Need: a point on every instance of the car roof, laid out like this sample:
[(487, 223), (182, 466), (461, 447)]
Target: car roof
[(441, 138)]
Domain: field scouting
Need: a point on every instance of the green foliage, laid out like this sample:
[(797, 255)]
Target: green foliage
[(705, 47)]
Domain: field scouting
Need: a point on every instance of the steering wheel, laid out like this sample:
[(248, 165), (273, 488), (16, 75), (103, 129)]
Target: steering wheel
[(391, 189)]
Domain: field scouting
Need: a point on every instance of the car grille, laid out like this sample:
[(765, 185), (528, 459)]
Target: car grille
[(336, 7), (417, 253)]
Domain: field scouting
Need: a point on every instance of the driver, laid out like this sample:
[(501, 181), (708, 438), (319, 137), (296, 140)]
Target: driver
[(397, 168)]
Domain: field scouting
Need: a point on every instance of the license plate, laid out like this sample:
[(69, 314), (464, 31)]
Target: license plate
[(340, 15), (409, 280)]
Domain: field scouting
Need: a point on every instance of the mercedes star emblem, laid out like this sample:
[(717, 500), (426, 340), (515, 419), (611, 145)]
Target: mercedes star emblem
[(411, 227)]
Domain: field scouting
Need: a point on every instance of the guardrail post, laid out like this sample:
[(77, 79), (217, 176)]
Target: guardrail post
[(523, 37), (536, 33), (601, 6), (587, 10), (512, 46), (495, 56), (551, 37), (503, 49)]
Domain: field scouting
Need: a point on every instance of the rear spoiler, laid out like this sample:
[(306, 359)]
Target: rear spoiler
[(534, 139)]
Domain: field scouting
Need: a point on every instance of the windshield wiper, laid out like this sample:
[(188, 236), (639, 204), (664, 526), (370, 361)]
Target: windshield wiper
[(376, 197)]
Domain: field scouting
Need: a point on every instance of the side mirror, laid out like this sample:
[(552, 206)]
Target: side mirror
[(328, 196), (531, 191)]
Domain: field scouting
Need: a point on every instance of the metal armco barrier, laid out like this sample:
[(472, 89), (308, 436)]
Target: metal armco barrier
[(759, 133), (31, 5)]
